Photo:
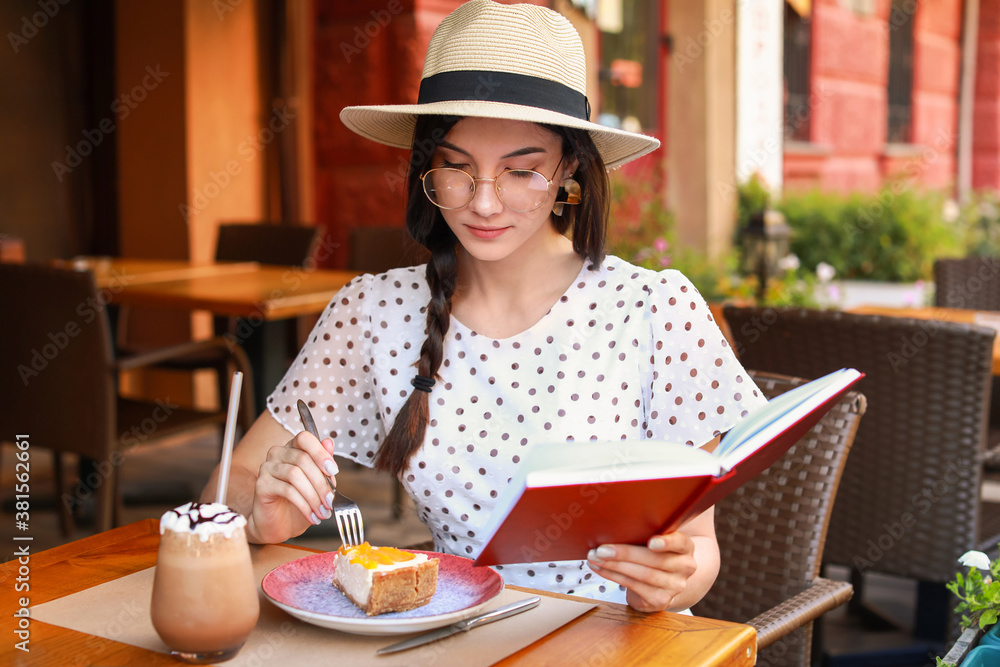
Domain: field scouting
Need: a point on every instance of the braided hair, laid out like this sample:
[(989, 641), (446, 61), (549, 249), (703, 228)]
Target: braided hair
[(586, 223)]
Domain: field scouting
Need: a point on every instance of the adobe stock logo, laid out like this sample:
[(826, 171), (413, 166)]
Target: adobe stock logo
[(121, 107), (362, 38), (38, 20), (249, 148)]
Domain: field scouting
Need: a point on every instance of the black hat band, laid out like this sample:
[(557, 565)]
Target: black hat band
[(506, 87)]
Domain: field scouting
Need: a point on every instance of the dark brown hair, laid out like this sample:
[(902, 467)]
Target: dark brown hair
[(586, 223)]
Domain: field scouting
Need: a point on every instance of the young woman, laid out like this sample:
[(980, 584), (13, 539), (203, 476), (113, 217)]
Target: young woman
[(518, 331)]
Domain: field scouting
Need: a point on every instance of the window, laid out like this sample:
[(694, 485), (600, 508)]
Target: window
[(798, 47), (900, 71), (630, 68)]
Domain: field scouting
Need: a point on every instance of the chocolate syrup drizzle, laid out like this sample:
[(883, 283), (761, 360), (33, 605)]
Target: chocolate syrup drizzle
[(196, 518)]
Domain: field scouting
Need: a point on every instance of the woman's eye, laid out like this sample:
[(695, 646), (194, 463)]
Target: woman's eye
[(449, 165), (520, 173)]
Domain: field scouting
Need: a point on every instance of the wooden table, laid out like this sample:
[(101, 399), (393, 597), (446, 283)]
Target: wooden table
[(267, 292), (961, 315), (615, 633), (114, 272), (238, 289), (266, 297)]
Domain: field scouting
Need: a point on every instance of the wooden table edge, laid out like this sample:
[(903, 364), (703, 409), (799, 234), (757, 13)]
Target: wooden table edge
[(115, 270), (739, 647), (275, 306)]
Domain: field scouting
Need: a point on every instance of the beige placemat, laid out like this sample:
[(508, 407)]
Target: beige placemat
[(119, 610)]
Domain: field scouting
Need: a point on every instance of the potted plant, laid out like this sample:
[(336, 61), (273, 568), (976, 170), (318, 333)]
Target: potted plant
[(979, 603)]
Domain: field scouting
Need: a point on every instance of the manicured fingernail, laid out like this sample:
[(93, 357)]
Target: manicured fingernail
[(329, 498), (314, 518), (605, 552), (657, 543), (325, 512), (330, 467)]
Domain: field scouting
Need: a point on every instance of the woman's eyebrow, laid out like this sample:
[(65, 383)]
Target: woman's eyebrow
[(527, 150), (452, 147)]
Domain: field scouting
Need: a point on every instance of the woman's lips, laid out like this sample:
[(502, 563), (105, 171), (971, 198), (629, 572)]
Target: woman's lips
[(486, 232)]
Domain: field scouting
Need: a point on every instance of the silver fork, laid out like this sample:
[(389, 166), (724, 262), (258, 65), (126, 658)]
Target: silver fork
[(345, 511)]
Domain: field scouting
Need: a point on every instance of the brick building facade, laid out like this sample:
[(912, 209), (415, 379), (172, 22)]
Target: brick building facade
[(371, 52), (848, 146)]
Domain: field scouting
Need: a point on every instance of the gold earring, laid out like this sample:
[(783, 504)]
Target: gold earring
[(572, 192)]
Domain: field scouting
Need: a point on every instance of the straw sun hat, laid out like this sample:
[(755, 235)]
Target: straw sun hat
[(517, 62)]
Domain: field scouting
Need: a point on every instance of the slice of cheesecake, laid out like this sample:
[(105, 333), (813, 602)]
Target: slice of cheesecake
[(384, 579)]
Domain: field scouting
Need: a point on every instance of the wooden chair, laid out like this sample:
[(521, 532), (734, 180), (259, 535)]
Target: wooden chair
[(60, 384), (378, 249), (267, 243), (771, 535), (910, 499)]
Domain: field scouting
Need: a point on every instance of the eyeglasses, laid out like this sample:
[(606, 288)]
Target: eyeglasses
[(520, 190)]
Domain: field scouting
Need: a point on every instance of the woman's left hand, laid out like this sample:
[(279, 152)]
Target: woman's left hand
[(673, 571), (655, 575)]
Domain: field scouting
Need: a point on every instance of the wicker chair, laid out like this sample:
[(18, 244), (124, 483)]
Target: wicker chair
[(771, 533), (60, 383), (969, 282), (910, 499), (974, 283)]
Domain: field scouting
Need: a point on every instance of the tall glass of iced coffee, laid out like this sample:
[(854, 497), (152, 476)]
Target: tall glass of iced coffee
[(204, 603)]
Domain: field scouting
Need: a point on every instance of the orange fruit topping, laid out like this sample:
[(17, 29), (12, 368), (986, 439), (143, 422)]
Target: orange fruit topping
[(371, 557)]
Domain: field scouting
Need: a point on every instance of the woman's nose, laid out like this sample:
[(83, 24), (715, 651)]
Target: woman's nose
[(485, 201)]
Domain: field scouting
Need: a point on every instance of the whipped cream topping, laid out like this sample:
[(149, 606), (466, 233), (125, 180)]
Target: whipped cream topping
[(202, 519)]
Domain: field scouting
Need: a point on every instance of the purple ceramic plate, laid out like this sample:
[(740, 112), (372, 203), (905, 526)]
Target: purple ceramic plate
[(304, 588)]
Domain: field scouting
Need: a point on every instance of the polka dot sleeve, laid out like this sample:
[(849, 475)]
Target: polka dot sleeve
[(695, 384), (332, 374)]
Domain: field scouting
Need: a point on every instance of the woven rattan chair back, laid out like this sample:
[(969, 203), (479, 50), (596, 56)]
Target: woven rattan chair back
[(909, 502), (969, 282), (772, 530), (910, 499)]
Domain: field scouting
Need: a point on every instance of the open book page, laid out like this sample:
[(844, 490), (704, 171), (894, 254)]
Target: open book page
[(768, 421), (563, 463)]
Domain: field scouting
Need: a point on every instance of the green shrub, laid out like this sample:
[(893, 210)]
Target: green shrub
[(893, 235), (751, 197), (888, 236), (980, 217), (640, 220), (642, 230)]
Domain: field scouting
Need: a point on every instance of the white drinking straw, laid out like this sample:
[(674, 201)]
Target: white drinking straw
[(227, 442)]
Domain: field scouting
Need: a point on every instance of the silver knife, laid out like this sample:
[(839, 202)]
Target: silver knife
[(463, 626)]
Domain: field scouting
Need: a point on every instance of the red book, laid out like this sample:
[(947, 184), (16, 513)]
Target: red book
[(570, 497)]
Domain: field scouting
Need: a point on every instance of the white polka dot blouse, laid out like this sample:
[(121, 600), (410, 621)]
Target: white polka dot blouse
[(625, 353)]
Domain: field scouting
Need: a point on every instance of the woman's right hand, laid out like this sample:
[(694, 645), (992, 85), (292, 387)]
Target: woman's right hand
[(291, 491)]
